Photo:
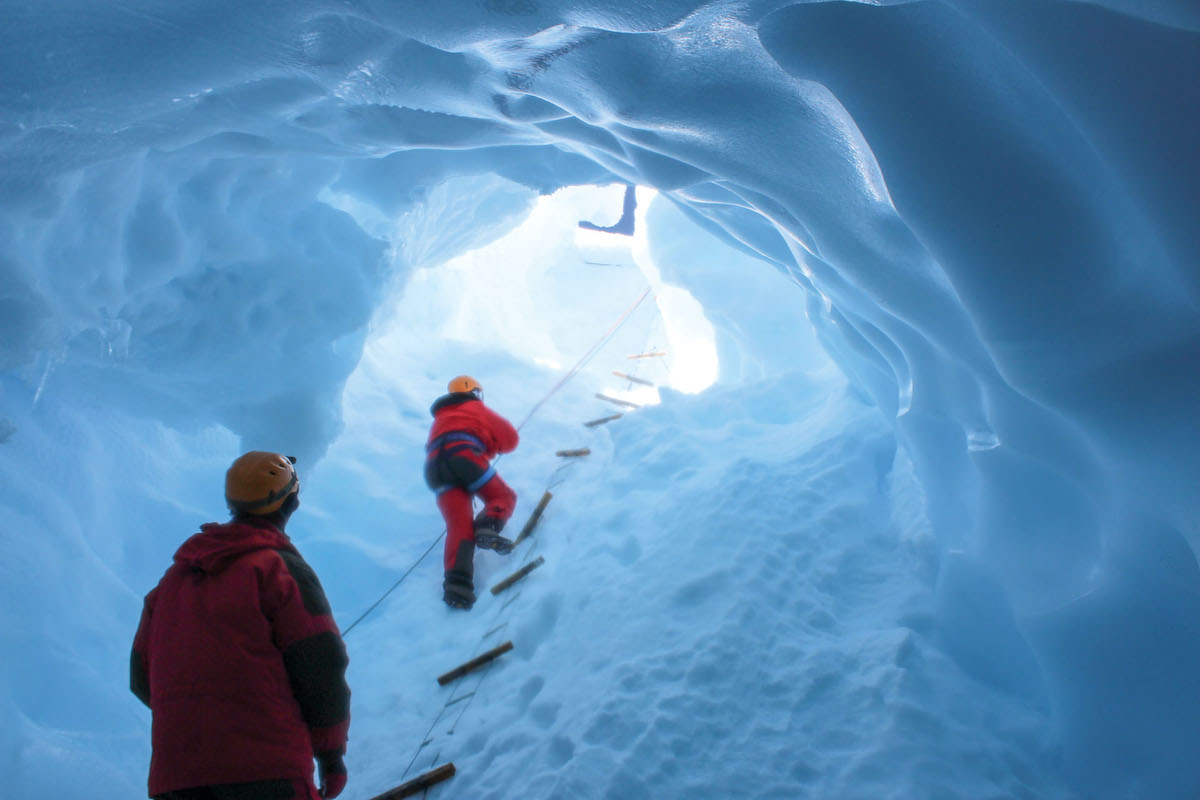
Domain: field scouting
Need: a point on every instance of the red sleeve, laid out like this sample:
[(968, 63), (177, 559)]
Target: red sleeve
[(503, 433), (313, 652), (139, 658)]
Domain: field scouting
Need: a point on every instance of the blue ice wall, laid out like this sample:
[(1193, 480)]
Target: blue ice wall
[(990, 208)]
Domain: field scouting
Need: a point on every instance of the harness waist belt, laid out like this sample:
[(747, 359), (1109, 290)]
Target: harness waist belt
[(455, 436)]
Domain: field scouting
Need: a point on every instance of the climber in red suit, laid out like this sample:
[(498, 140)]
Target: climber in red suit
[(465, 437)]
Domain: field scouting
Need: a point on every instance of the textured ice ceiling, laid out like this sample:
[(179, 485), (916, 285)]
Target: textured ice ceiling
[(992, 206)]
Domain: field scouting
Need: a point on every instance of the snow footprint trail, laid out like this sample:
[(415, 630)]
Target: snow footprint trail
[(694, 638), (707, 646)]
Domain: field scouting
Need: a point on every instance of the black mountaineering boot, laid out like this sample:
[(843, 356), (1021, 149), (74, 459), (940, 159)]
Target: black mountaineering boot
[(487, 535), (457, 590)]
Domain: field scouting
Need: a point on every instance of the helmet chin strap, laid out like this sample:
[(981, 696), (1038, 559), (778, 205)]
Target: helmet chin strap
[(286, 510), (279, 517)]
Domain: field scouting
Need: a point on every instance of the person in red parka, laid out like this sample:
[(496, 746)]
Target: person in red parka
[(239, 659), (465, 437)]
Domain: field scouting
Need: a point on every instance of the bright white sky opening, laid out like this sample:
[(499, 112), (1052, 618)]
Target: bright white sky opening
[(547, 290)]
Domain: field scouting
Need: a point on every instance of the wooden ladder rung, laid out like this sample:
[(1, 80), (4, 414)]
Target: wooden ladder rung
[(624, 403), (642, 381), (583, 451), (516, 576), (533, 519), (654, 354), (602, 420), (475, 663), (419, 783)]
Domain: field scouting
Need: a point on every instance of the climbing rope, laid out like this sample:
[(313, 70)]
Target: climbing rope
[(394, 585), (573, 371), (637, 368)]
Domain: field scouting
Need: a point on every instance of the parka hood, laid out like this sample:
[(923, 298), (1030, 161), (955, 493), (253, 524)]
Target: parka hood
[(219, 544)]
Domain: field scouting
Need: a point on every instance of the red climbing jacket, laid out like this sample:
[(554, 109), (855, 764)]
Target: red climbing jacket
[(462, 412), (240, 661)]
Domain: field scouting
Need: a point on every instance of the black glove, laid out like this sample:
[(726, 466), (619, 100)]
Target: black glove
[(332, 771)]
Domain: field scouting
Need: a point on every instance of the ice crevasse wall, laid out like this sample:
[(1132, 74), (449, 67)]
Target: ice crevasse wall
[(990, 206)]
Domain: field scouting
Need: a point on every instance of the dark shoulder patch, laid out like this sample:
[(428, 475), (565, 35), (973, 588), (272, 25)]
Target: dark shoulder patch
[(316, 667), (311, 592), (139, 679)]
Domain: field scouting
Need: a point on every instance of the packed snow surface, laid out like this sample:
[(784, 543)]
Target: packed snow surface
[(911, 510)]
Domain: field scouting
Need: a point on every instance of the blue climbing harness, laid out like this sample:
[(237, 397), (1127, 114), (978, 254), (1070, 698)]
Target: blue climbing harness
[(454, 442)]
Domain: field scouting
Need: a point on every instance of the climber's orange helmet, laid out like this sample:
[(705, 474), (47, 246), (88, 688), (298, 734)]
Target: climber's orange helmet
[(260, 482), (465, 383)]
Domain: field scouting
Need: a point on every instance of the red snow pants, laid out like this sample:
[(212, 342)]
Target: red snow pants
[(455, 505)]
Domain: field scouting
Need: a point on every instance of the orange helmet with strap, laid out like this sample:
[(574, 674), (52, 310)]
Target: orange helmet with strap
[(260, 482), (465, 383)]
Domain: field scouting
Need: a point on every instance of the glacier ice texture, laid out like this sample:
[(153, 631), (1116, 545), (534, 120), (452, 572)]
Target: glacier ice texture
[(985, 212)]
